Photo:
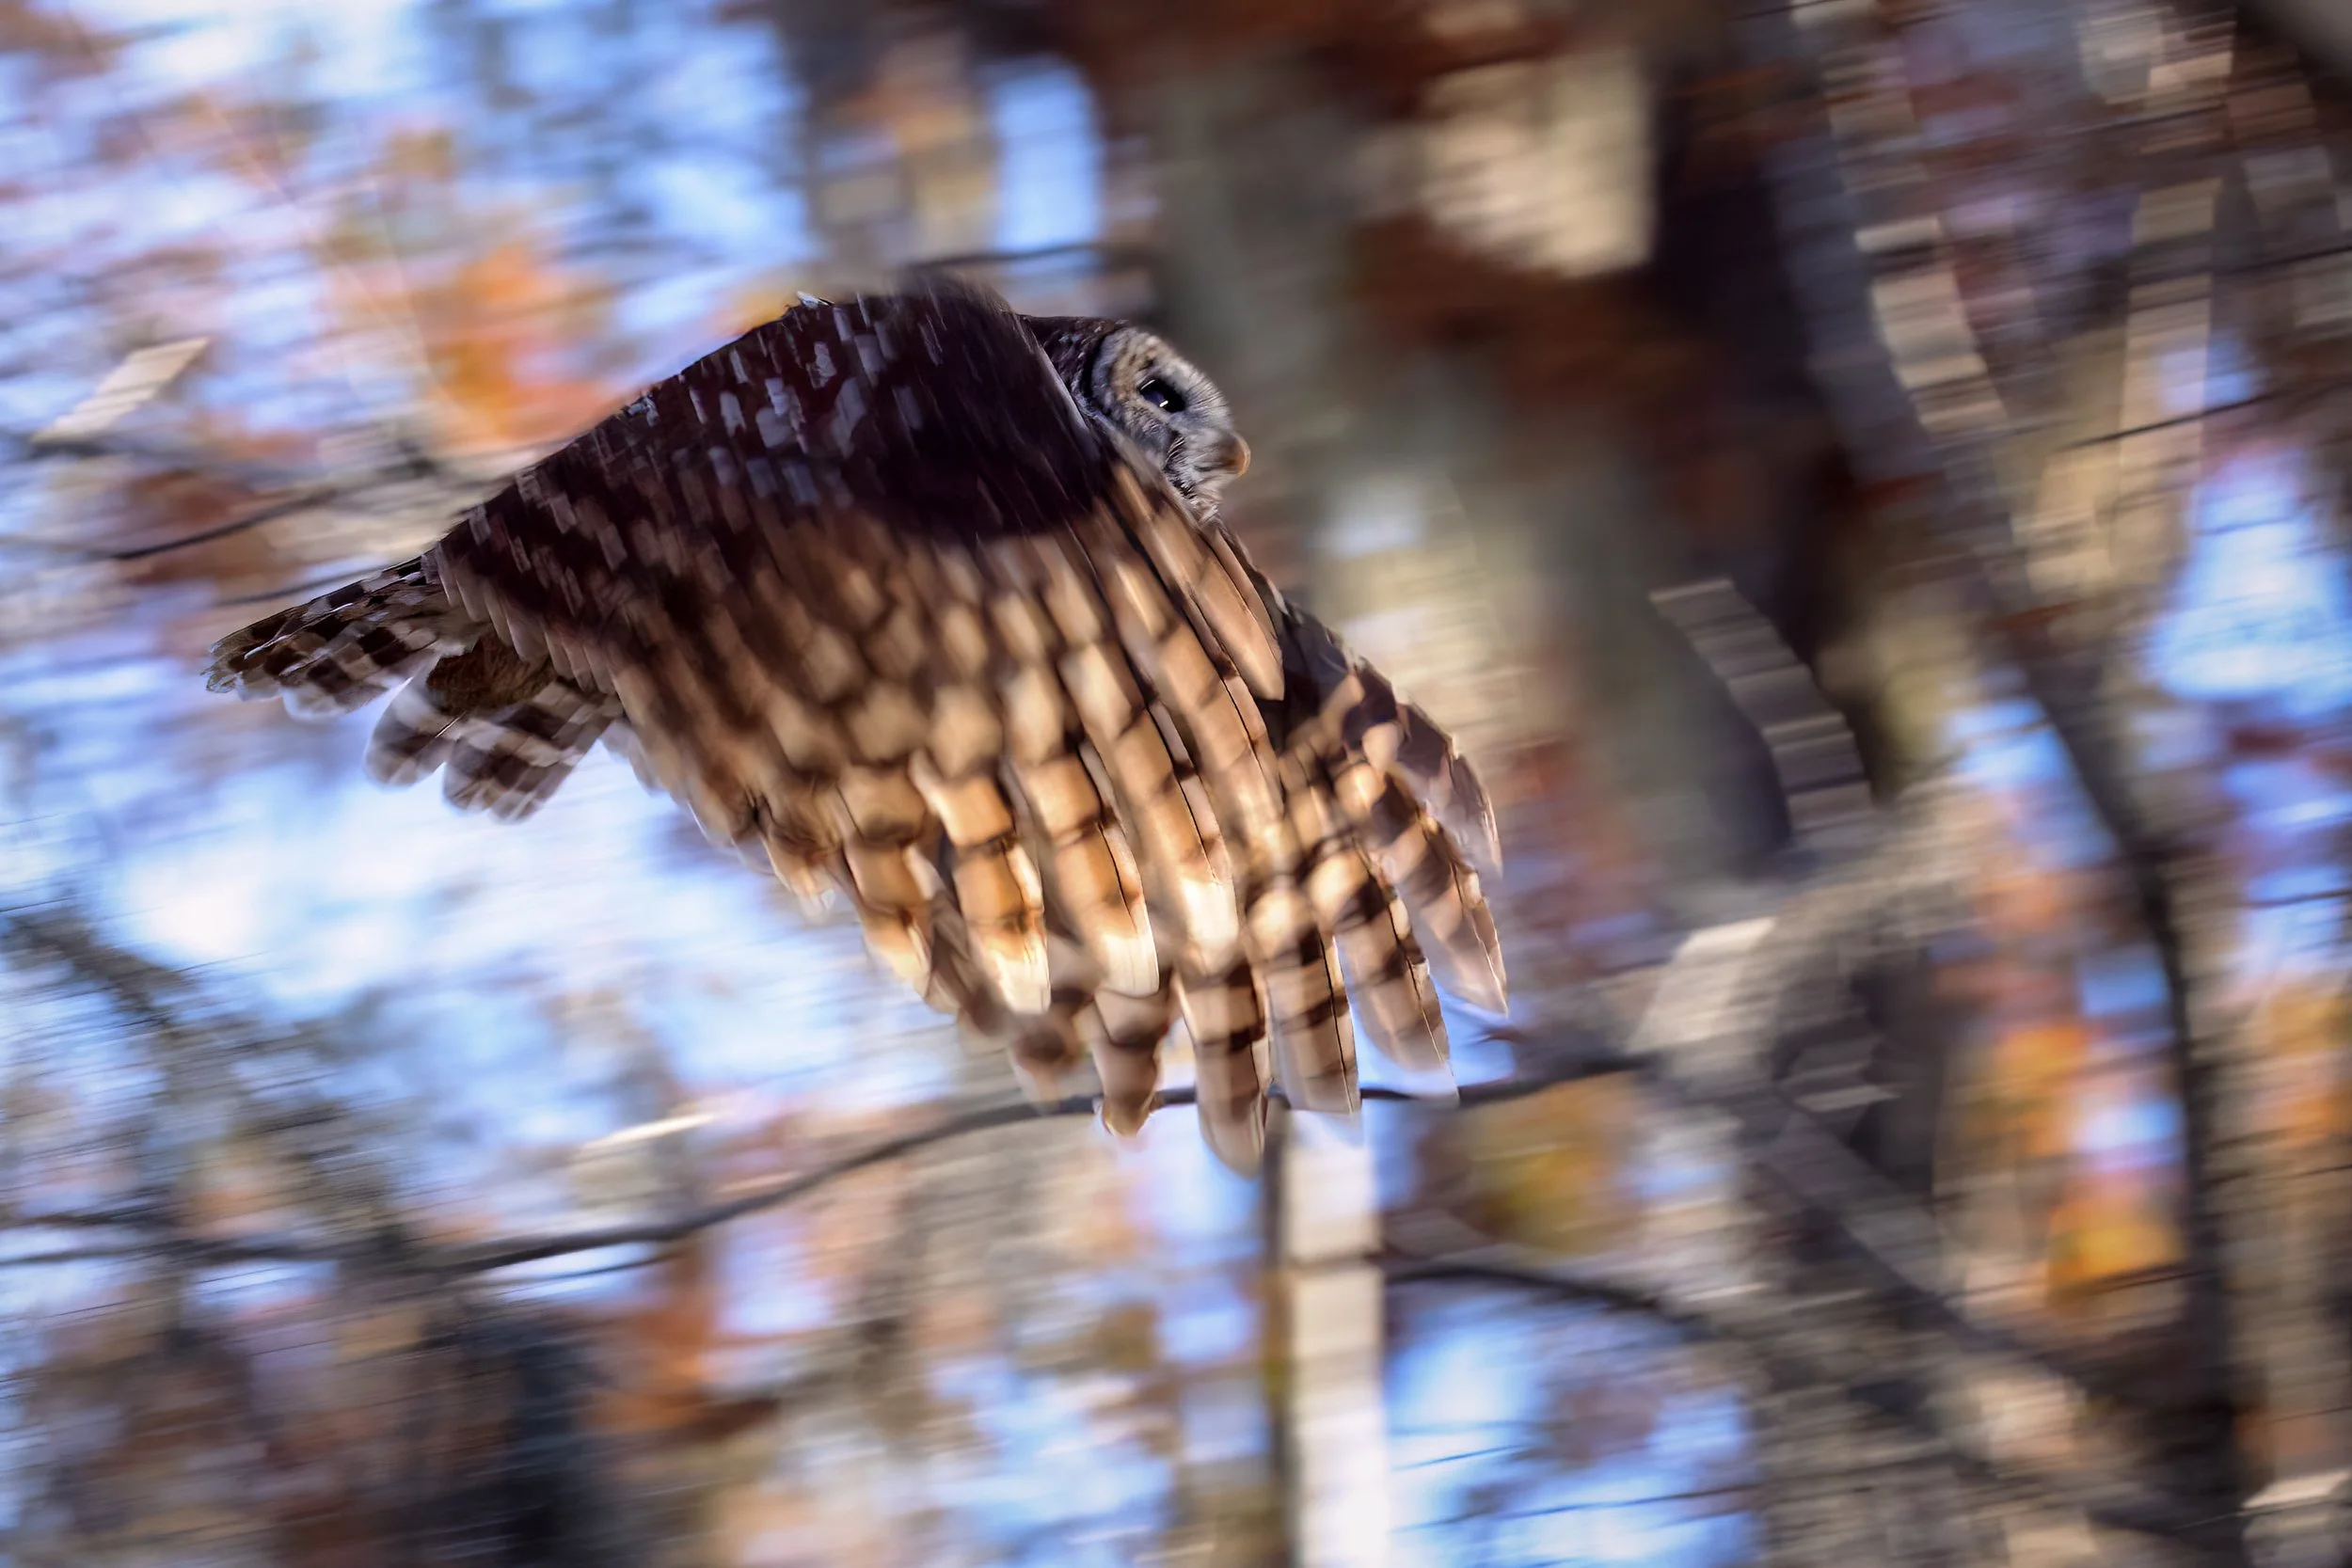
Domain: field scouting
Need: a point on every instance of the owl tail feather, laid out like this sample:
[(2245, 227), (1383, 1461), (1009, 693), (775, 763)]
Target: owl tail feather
[(343, 650), (506, 753), (504, 731)]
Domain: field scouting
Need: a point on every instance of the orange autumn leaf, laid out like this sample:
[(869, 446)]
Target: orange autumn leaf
[(671, 1345), (2108, 1230), (2300, 1025), (2028, 1086), (497, 333), (2040, 1057), (1541, 1172)]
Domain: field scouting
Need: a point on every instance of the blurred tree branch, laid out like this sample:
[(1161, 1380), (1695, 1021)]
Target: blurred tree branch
[(2108, 1497), (1819, 921), (409, 465), (486, 1256)]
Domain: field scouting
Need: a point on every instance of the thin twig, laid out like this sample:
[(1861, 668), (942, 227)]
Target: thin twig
[(482, 1256)]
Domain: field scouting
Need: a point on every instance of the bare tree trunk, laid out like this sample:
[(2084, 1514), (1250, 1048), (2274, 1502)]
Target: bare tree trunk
[(2248, 1331), (1335, 1429)]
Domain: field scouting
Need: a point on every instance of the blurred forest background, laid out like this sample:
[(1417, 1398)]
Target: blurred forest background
[(1863, 478)]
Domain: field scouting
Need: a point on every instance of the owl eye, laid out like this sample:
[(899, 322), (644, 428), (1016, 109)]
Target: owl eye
[(1160, 394)]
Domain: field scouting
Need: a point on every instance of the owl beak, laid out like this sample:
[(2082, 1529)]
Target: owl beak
[(1236, 457)]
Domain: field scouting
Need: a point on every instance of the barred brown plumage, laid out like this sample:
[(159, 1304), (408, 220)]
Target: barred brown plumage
[(343, 649), (506, 731), (873, 594)]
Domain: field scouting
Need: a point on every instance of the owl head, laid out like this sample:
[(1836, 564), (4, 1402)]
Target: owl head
[(1134, 381)]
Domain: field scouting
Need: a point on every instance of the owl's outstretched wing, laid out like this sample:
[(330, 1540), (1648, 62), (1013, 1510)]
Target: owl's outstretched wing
[(871, 593)]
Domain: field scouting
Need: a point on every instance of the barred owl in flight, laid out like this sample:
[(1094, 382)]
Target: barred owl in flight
[(930, 602)]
